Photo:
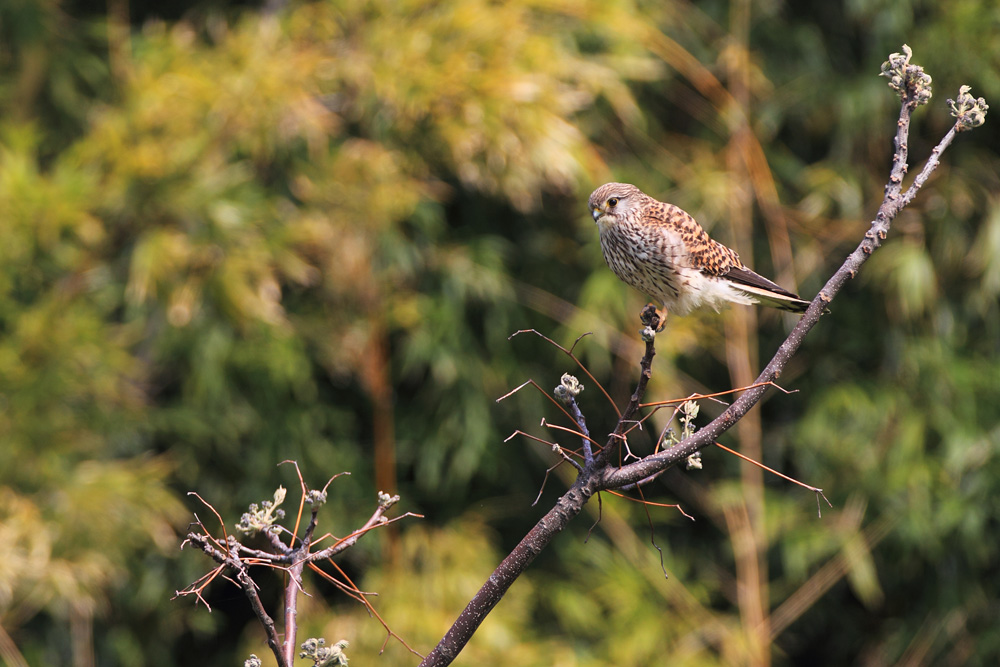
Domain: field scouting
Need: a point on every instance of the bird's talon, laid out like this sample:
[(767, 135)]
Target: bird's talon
[(651, 318)]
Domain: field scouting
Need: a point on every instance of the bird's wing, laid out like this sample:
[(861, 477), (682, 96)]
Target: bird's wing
[(701, 251), (744, 277), (715, 259), (764, 290)]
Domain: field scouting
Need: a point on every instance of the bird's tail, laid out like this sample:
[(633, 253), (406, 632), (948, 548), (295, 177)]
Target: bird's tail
[(789, 302), (766, 292)]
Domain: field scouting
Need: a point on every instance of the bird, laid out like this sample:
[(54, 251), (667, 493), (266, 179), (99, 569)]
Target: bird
[(660, 250)]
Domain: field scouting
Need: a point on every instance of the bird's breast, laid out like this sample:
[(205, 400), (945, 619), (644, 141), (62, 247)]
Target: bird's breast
[(646, 259)]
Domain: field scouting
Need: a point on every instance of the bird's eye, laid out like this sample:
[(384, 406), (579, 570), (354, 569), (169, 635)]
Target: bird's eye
[(613, 202)]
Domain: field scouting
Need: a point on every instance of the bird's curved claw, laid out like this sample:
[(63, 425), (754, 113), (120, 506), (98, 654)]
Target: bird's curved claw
[(652, 319)]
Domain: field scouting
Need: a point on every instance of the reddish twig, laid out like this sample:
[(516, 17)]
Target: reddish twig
[(569, 353), (698, 397), (818, 491), (361, 597)]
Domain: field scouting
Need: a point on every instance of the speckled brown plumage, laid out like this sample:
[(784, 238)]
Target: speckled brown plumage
[(660, 250)]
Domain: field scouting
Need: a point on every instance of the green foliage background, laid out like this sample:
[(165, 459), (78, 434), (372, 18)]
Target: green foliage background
[(232, 235)]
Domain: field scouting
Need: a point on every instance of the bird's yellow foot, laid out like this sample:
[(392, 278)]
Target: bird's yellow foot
[(651, 317)]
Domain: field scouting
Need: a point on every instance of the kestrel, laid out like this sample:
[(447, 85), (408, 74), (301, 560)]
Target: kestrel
[(661, 251)]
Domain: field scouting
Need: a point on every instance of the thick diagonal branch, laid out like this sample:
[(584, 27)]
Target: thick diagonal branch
[(567, 507)]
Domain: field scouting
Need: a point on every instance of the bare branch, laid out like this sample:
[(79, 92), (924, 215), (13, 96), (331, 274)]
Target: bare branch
[(360, 596), (651, 319), (569, 353), (544, 393), (377, 519), (234, 556), (818, 491)]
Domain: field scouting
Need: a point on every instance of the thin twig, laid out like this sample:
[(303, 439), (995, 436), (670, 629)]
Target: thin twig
[(818, 491), (569, 353), (361, 598), (546, 394), (555, 447), (651, 503), (376, 519), (698, 397), (588, 452), (651, 319), (545, 480), (587, 440)]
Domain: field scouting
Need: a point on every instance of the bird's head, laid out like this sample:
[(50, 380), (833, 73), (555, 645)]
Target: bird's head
[(611, 201)]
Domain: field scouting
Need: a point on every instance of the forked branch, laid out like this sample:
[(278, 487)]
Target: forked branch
[(234, 560)]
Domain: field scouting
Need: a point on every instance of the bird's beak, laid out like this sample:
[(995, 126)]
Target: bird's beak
[(597, 213)]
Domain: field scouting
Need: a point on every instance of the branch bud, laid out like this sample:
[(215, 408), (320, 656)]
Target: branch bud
[(316, 497), (970, 111), (262, 517), (322, 655), (386, 501), (910, 81), (569, 388)]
